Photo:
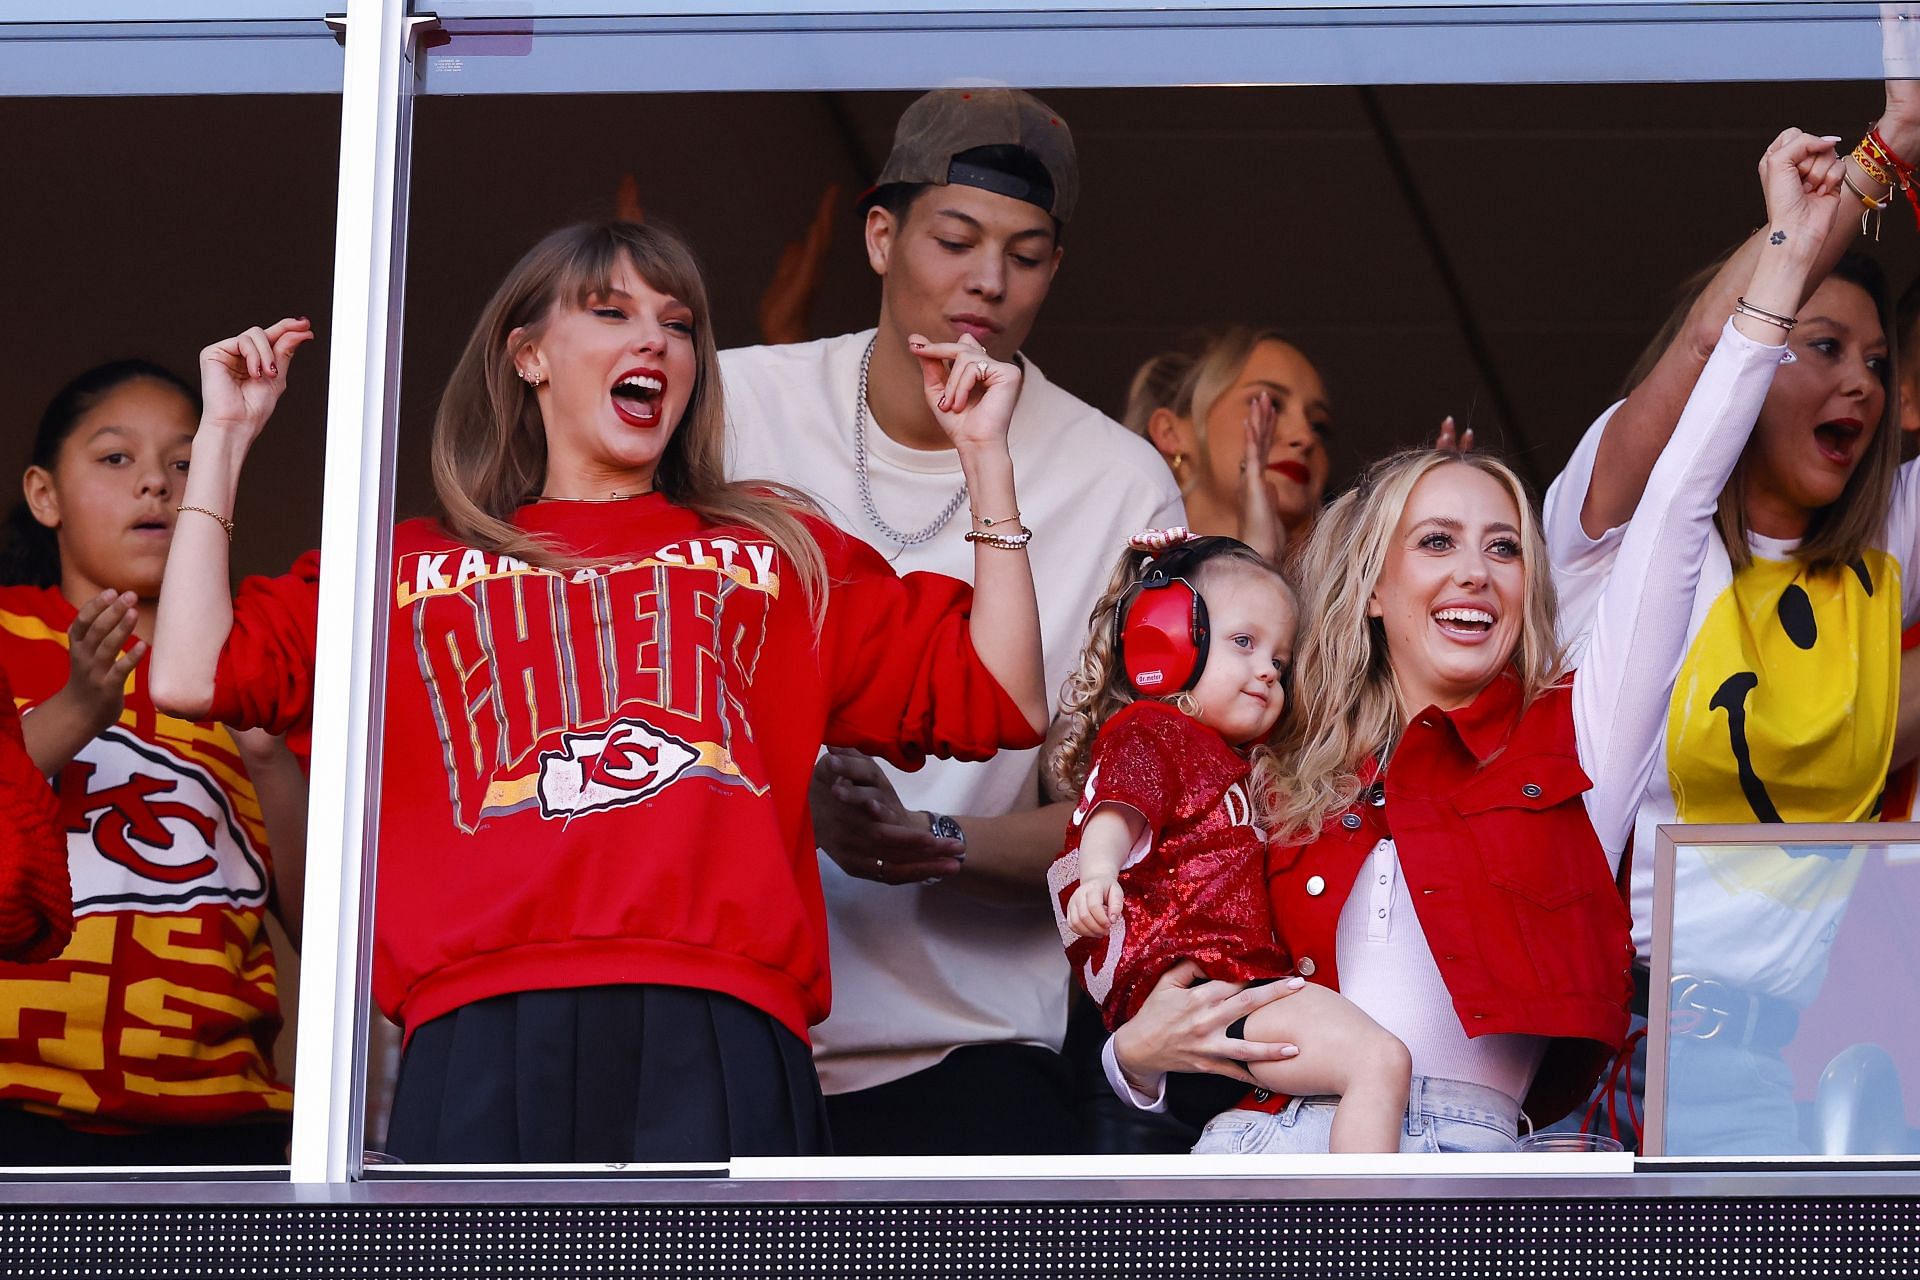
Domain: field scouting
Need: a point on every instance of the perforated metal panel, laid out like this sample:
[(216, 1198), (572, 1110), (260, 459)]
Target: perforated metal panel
[(1485, 1240)]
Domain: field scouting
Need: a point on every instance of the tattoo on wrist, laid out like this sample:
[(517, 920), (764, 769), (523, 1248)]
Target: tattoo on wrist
[(1778, 237)]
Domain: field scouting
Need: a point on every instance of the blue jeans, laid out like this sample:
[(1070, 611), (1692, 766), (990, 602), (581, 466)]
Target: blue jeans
[(1442, 1115)]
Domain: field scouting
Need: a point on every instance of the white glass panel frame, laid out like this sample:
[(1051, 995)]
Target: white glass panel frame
[(378, 87), (1668, 840)]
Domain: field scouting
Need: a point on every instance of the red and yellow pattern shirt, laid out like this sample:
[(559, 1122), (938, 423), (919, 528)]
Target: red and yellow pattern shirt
[(163, 1008)]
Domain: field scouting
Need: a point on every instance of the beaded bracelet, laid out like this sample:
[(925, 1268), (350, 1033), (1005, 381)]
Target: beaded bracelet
[(1004, 541)]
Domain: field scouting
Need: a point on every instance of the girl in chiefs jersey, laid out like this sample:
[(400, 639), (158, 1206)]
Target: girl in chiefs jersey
[(609, 673), (1179, 689), (149, 1039)]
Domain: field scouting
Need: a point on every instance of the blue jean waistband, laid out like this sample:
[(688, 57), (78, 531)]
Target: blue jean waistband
[(1461, 1100), (1446, 1099)]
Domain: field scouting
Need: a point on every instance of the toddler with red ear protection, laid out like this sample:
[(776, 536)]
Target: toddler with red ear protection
[(1167, 725)]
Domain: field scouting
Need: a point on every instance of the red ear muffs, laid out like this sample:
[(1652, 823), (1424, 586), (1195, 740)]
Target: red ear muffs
[(1161, 634)]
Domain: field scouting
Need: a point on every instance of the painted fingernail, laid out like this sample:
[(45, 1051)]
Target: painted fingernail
[(916, 344), (1294, 984), (1289, 1050)]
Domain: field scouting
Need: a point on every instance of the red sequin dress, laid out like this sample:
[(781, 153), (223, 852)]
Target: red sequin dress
[(1195, 885)]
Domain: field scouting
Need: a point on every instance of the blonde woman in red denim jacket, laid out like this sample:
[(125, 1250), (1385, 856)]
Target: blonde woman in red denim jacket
[(1456, 803)]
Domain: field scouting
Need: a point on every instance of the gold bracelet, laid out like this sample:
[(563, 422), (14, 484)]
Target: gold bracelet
[(1004, 541), (990, 521), (224, 522), (1783, 323)]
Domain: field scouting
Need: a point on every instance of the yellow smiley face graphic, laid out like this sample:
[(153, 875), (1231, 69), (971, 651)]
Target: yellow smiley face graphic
[(1783, 712)]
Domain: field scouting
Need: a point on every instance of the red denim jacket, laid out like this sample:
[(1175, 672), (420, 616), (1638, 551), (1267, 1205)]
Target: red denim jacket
[(1530, 929)]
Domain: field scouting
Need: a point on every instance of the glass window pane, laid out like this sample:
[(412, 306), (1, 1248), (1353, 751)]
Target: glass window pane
[(280, 55), (489, 51), (154, 227), (1333, 212), (1789, 1027)]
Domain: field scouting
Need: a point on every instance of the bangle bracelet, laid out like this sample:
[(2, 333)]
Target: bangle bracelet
[(1004, 541), (224, 522), (1866, 200), (1870, 208), (1784, 323)]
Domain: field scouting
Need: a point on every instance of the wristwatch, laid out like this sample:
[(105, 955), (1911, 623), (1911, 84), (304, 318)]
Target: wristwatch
[(947, 829)]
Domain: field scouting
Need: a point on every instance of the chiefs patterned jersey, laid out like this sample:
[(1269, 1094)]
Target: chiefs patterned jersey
[(163, 1008)]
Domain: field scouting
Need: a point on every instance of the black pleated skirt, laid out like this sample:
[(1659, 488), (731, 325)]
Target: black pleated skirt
[(605, 1074)]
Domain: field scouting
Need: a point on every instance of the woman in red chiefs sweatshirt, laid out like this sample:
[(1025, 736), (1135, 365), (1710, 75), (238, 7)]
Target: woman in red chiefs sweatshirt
[(609, 673)]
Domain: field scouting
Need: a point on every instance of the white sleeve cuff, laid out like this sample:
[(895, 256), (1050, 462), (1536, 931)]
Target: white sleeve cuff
[(1117, 1081)]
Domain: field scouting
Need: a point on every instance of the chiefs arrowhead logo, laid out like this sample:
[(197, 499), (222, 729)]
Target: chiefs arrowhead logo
[(623, 764), (152, 830)]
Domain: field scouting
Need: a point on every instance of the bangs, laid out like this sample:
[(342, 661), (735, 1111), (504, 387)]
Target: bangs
[(588, 271)]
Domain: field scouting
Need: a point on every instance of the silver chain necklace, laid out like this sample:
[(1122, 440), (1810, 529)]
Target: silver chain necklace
[(866, 479)]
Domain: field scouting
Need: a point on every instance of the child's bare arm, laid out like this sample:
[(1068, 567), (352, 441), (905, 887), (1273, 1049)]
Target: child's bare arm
[(1112, 831)]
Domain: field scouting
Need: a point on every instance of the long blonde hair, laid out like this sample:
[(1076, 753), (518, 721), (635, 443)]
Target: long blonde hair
[(1347, 710), (490, 443), (1098, 689)]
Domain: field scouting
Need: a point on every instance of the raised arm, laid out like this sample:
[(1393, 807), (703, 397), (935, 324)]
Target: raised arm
[(1260, 526), (241, 380), (972, 396), (1640, 429), (1640, 623)]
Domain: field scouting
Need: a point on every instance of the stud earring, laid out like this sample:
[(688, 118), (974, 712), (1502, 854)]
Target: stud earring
[(531, 379)]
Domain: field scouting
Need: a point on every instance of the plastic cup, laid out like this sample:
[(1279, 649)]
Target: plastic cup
[(1557, 1142)]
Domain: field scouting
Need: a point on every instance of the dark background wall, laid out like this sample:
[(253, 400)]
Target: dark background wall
[(1567, 215)]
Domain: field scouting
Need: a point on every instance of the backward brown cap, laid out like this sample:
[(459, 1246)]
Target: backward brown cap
[(946, 122)]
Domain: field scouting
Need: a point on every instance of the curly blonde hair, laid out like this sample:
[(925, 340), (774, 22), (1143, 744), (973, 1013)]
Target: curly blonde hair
[(1349, 708), (1098, 689)]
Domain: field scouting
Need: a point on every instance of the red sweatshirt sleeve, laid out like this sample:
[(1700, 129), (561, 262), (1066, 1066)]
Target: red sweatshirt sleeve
[(36, 897), (903, 679), (265, 676)]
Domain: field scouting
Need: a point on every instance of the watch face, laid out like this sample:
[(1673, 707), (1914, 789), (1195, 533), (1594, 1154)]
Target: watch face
[(947, 829)]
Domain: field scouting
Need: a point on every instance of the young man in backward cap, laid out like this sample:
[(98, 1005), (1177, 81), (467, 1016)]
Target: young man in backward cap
[(950, 987)]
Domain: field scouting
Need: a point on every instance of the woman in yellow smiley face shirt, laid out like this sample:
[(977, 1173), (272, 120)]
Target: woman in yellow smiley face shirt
[(1784, 706)]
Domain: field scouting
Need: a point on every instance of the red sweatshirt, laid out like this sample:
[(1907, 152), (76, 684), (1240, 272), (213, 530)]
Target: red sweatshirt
[(600, 777), (36, 899)]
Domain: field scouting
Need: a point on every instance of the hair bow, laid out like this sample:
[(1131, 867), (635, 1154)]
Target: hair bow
[(1156, 541)]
